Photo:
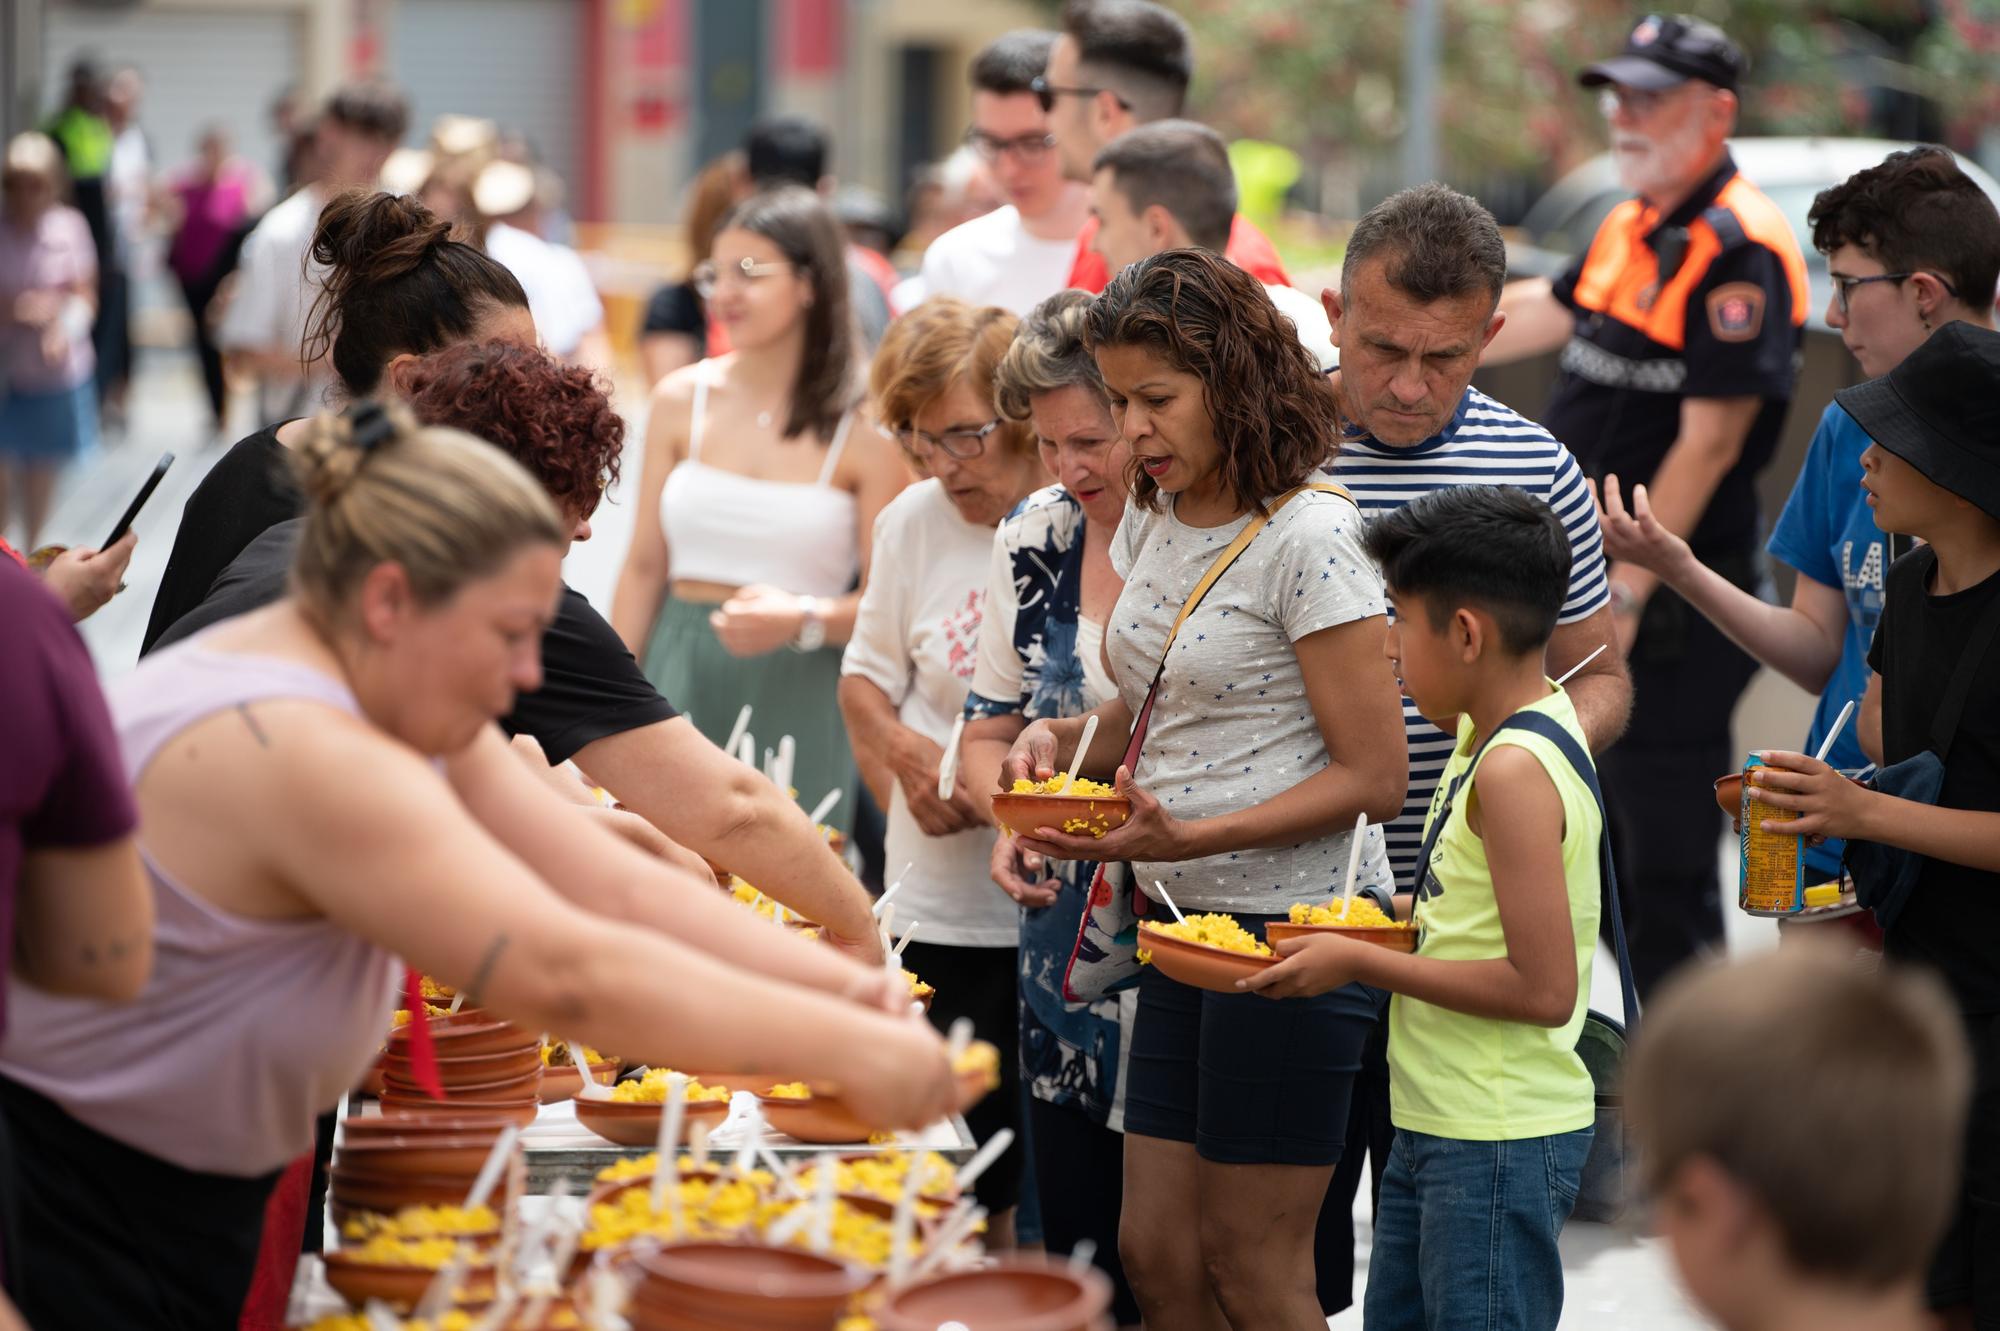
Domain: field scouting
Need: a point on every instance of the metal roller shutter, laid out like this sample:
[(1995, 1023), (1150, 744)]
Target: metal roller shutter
[(513, 61), (201, 67)]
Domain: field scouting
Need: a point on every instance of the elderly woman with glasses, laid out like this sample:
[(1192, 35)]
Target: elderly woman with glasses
[(909, 664)]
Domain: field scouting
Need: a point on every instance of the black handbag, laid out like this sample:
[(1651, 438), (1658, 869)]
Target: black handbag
[(1884, 876)]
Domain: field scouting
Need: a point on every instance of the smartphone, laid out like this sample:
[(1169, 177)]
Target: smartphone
[(138, 501)]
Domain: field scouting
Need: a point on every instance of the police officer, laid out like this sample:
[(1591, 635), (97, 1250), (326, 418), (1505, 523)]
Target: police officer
[(1680, 331)]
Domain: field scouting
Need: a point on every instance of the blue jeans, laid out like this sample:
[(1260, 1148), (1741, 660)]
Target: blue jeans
[(1465, 1233)]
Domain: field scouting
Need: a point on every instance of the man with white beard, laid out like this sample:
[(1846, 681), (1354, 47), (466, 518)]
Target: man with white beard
[(1681, 328)]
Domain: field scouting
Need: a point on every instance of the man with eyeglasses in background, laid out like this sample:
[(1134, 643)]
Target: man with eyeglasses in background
[(1911, 244), (1119, 64), (1681, 328), (1019, 253)]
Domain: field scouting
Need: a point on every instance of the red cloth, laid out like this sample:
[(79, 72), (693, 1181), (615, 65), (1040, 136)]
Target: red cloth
[(278, 1251), (1249, 249), (423, 1053), (12, 553)]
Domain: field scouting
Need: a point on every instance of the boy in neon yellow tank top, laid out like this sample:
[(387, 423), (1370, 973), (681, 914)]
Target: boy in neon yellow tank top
[(1493, 1109)]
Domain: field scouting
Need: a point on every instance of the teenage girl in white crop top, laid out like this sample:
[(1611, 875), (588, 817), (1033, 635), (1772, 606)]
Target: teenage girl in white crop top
[(759, 495)]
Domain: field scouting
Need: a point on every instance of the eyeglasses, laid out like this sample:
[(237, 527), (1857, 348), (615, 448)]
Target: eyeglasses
[(1047, 92), (961, 444), (708, 275), (1843, 287), (1639, 103), (1029, 148)]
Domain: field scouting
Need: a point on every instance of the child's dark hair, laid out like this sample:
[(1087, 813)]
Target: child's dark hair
[(1493, 547)]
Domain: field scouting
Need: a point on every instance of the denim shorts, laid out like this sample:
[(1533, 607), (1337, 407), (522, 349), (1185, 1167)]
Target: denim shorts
[(1249, 1080), (1465, 1233)]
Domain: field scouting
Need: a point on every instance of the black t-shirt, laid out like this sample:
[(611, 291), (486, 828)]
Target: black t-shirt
[(676, 308), (1694, 304), (1952, 920), (247, 492), (591, 686)]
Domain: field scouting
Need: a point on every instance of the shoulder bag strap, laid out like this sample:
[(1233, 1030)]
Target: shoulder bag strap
[(1258, 521), (1945, 728), (1551, 730)]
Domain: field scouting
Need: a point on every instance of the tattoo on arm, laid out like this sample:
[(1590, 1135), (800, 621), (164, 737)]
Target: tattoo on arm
[(263, 740), (486, 963)]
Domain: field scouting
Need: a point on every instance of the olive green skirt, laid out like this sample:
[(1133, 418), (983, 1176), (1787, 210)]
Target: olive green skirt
[(790, 693)]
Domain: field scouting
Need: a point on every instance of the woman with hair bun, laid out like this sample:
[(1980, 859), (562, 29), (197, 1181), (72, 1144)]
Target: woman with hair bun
[(321, 790), (595, 706), (395, 286)]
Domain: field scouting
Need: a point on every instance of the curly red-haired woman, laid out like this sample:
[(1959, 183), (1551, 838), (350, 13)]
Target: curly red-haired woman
[(595, 706), (1277, 724)]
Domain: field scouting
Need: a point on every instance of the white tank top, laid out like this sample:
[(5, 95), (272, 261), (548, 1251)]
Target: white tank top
[(725, 527)]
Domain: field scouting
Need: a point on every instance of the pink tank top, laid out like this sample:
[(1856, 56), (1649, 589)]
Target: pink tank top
[(248, 1029)]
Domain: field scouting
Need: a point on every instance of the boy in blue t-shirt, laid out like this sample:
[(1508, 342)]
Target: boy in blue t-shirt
[(1911, 244), (1493, 1108)]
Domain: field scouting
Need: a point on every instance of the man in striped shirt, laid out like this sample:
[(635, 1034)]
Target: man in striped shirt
[(1418, 301)]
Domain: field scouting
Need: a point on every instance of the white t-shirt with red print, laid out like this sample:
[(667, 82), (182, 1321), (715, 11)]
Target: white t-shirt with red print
[(916, 637)]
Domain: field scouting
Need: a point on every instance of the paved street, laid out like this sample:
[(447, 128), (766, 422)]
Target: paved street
[(1617, 1281)]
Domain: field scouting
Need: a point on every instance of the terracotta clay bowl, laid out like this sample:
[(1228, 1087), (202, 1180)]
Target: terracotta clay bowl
[(563, 1082), (399, 1156), (421, 1127), (390, 1194), (467, 1070), (1016, 1293), (371, 1080), (526, 1084), (1023, 814), (465, 1016), (520, 1110), (1402, 938), (398, 1286), (1198, 964), (827, 1119), (467, 1039), (754, 1284), (639, 1124)]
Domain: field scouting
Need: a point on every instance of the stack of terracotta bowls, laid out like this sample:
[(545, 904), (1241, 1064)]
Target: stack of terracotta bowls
[(487, 1066), (388, 1162), (1019, 1292), (740, 1287)]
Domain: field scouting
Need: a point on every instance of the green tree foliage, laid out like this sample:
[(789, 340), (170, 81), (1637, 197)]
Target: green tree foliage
[(1324, 76)]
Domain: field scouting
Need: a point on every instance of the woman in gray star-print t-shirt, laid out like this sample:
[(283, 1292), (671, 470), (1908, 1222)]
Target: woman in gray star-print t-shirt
[(1277, 721), (1232, 726)]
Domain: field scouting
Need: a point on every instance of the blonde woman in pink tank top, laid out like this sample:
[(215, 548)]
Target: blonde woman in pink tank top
[(321, 791)]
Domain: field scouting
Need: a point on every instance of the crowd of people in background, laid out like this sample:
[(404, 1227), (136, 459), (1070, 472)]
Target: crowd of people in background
[(1088, 486)]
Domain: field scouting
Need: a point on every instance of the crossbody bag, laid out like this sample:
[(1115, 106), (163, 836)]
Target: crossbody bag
[(1105, 958)]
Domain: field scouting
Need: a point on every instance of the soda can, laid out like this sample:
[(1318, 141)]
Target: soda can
[(1772, 864)]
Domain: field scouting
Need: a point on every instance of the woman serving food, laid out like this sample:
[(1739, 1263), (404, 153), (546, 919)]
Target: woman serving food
[(1275, 724), (321, 790)]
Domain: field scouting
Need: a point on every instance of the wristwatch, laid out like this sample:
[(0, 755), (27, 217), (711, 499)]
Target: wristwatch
[(812, 627)]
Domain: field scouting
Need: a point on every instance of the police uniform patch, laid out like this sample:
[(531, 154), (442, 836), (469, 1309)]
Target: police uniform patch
[(1736, 311)]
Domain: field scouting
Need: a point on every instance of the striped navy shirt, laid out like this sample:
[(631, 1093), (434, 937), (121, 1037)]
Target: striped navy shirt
[(1484, 443)]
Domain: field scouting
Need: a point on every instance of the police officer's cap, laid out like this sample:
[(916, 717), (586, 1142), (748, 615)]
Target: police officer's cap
[(1666, 50)]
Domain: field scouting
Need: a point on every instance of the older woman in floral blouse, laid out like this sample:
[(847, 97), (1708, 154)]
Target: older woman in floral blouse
[(1040, 655)]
